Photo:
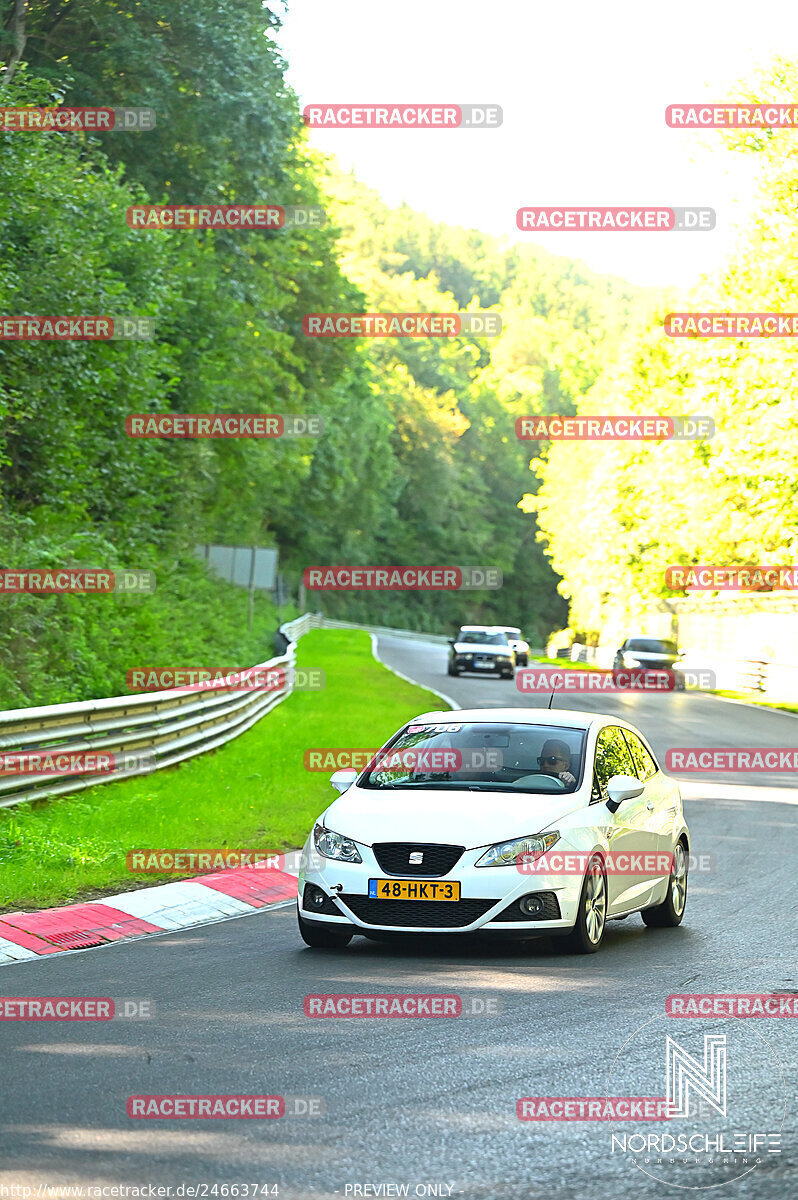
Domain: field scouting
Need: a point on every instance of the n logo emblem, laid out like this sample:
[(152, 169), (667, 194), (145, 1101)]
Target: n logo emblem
[(416, 858), (685, 1073)]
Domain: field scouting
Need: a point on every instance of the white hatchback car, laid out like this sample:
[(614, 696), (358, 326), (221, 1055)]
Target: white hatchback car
[(509, 822)]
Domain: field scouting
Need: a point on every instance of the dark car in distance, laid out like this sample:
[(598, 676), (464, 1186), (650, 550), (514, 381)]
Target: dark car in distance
[(645, 656), (483, 650)]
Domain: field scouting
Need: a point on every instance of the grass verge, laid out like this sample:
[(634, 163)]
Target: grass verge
[(253, 793)]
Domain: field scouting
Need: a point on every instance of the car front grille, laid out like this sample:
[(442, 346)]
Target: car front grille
[(394, 858), (417, 914)]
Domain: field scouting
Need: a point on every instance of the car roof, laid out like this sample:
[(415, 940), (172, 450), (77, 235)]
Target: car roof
[(565, 717)]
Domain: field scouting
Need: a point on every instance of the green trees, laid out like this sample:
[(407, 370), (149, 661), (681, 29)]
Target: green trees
[(419, 462), (641, 506), (460, 470)]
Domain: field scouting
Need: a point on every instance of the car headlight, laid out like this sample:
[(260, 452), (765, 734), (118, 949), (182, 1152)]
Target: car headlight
[(503, 658), (335, 845), (506, 854)]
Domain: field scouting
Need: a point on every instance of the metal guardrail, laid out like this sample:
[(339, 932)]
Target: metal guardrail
[(147, 732)]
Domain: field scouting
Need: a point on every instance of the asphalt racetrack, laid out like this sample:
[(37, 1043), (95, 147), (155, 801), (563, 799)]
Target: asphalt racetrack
[(427, 1105)]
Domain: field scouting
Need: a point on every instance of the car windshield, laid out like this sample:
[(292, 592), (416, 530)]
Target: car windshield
[(482, 637), (514, 634), (651, 646), (480, 756)]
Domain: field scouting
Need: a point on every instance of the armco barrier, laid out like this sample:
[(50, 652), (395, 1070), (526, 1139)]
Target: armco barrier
[(165, 727)]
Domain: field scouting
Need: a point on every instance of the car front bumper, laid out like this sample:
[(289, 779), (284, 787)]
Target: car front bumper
[(486, 894), (465, 662)]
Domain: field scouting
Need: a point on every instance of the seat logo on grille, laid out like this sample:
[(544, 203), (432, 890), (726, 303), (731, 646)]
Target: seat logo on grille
[(416, 858)]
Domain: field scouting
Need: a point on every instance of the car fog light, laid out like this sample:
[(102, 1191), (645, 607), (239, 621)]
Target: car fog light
[(531, 905), (315, 896)]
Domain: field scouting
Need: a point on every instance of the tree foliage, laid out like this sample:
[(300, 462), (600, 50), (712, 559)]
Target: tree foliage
[(419, 462), (728, 500)]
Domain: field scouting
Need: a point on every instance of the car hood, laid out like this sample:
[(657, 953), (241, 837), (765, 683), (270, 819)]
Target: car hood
[(480, 648), (453, 817)]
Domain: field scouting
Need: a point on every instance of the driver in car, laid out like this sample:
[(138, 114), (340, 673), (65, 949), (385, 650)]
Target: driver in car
[(555, 759)]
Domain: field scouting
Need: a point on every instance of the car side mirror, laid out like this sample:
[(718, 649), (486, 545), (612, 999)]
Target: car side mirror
[(452, 641), (620, 788), (343, 779)]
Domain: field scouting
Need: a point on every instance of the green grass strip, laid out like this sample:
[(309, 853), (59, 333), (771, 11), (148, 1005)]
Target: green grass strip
[(254, 793)]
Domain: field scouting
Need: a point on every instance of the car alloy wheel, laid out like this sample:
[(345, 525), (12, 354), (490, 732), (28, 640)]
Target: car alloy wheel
[(591, 918), (679, 880), (595, 902), (671, 910)]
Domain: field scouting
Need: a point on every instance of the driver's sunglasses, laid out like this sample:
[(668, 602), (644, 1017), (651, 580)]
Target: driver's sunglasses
[(551, 760)]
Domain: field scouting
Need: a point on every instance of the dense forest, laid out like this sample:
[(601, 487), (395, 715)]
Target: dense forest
[(419, 462)]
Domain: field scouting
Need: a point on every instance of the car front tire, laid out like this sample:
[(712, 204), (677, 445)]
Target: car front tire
[(669, 913), (323, 937), (591, 920)]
